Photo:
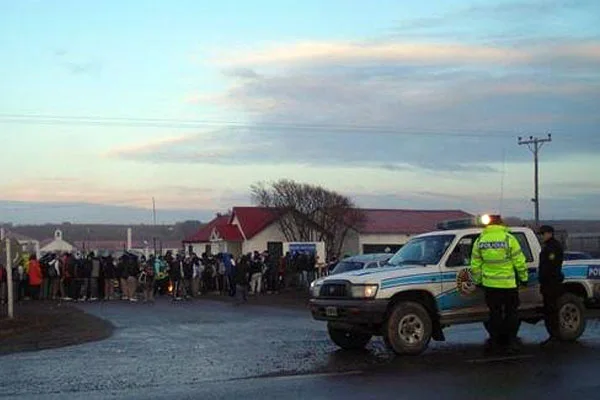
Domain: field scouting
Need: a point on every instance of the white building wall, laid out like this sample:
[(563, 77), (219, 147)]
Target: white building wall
[(259, 242), (199, 248), (351, 245), (381, 238)]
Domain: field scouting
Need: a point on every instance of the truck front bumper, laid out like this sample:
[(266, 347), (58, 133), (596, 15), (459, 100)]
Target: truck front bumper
[(359, 312)]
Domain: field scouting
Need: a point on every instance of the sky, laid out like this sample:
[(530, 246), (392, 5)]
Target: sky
[(395, 104)]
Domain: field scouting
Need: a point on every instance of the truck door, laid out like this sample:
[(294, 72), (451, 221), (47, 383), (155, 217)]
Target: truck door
[(530, 296), (458, 259)]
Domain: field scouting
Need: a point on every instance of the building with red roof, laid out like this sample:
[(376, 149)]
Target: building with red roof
[(245, 230), (249, 229), (388, 229)]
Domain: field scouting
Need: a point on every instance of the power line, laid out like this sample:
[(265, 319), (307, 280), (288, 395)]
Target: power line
[(158, 123), (195, 124), (535, 144)]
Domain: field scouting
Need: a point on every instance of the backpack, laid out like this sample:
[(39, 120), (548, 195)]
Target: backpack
[(51, 271)]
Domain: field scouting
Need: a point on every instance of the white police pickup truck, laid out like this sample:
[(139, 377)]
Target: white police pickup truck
[(425, 288)]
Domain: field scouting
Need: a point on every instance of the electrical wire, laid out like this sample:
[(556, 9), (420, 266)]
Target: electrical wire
[(195, 124)]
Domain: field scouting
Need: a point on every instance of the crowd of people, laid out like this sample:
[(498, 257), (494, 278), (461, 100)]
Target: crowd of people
[(132, 277)]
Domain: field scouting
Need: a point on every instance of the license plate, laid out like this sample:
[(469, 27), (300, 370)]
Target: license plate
[(331, 311)]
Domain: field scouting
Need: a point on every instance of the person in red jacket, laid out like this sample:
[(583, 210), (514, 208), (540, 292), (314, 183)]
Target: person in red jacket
[(35, 277)]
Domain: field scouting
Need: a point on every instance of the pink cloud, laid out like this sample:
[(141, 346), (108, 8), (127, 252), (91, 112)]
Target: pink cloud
[(323, 53), (79, 190), (334, 52)]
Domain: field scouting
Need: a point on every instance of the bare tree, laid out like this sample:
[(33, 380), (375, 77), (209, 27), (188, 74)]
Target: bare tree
[(309, 212)]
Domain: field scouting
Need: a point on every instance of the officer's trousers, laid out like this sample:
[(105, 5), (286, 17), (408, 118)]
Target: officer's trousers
[(504, 318), (551, 292)]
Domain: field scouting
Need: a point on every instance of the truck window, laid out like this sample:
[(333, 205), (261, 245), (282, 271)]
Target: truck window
[(522, 239), (461, 254)]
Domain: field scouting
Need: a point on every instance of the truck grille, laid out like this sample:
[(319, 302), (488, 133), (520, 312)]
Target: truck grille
[(333, 290)]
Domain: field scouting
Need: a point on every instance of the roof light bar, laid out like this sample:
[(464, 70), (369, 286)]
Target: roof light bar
[(477, 222)]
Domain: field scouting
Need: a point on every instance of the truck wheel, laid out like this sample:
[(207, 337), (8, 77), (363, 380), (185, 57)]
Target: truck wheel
[(348, 339), (408, 329), (571, 318)]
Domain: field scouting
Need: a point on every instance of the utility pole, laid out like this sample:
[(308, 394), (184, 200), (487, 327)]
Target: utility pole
[(535, 145)]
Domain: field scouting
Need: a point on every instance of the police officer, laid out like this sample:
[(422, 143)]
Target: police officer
[(551, 278), (498, 264)]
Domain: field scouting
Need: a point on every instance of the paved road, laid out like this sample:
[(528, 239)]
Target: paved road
[(211, 350)]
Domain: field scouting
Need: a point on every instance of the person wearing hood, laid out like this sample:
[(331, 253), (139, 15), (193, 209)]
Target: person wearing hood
[(499, 265)]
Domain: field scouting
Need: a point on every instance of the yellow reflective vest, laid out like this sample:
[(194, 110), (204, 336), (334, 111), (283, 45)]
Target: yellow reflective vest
[(497, 260)]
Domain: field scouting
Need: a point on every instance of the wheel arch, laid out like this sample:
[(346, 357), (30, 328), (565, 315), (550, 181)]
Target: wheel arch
[(577, 288)]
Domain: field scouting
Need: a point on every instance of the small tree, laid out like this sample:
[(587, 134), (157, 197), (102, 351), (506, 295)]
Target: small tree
[(309, 212)]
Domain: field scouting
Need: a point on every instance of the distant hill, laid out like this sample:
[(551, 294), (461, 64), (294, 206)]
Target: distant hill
[(31, 213)]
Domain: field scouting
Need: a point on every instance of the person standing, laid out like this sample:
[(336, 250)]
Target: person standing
[(499, 265), (242, 269), (121, 275), (256, 274), (147, 280), (35, 277), (133, 270), (551, 278), (109, 273), (188, 275), (176, 275), (3, 288), (94, 277)]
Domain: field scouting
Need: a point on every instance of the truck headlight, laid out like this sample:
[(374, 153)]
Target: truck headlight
[(315, 288), (364, 291)]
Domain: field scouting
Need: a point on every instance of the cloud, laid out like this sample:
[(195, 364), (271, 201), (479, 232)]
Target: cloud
[(506, 21), (438, 118), (341, 52), (415, 104), (246, 73), (311, 54), (172, 196)]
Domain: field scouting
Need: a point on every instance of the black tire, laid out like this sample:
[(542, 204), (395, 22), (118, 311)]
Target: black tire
[(571, 318), (408, 329), (348, 339)]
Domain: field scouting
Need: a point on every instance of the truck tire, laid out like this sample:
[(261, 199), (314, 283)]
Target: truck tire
[(408, 329), (348, 339), (571, 318)]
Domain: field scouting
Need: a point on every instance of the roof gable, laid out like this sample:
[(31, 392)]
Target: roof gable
[(392, 221), (204, 234), (230, 233), (253, 220)]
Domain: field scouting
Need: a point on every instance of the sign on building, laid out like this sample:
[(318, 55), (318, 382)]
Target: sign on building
[(317, 248)]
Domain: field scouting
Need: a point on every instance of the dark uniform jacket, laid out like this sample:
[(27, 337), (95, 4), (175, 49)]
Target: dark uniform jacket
[(551, 260)]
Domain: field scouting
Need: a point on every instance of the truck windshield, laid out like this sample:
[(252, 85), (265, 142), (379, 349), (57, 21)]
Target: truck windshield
[(425, 250), (345, 266)]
